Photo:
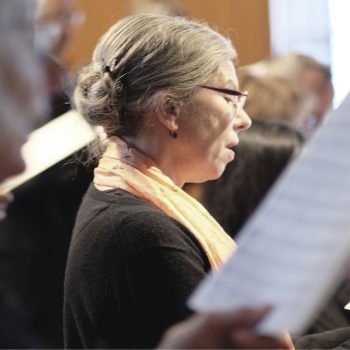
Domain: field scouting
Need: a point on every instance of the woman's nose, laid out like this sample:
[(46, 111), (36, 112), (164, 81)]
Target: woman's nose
[(243, 121)]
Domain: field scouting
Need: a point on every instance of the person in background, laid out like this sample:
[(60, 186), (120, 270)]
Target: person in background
[(275, 98), (312, 78), (36, 232), (56, 22), (18, 83), (263, 153), (23, 104)]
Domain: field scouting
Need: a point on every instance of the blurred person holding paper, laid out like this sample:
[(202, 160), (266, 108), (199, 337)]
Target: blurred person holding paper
[(23, 104), (36, 231)]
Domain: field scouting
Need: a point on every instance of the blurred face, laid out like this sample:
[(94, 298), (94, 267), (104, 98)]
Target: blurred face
[(315, 82), (56, 23), (22, 97), (208, 128)]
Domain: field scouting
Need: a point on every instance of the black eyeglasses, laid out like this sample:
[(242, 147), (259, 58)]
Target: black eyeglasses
[(241, 96)]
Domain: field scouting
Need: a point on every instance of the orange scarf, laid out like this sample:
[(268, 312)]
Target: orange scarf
[(124, 167)]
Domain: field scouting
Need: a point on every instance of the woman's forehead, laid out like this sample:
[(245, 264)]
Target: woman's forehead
[(225, 76)]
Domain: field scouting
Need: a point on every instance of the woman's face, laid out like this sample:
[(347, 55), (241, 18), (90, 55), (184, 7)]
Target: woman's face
[(208, 129)]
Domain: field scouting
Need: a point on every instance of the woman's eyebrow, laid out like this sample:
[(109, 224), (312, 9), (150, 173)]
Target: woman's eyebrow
[(229, 83)]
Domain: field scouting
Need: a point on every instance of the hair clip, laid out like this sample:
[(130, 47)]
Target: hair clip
[(110, 69), (107, 69)]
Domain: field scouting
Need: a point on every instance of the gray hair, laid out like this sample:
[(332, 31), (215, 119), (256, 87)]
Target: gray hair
[(143, 60)]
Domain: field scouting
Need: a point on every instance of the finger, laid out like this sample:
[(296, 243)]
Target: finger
[(2, 214), (6, 198), (10, 197), (247, 339), (243, 317)]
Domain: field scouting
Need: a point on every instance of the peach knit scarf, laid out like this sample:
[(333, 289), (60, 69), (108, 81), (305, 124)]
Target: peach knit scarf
[(124, 167)]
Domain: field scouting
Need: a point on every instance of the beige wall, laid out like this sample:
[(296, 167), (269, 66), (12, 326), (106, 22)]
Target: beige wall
[(245, 21)]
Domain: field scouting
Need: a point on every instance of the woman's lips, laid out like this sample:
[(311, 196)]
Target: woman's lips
[(233, 144)]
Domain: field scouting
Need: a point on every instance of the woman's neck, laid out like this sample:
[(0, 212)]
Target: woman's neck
[(159, 150)]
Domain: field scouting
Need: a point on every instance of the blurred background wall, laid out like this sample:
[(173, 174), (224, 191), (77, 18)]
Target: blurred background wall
[(245, 22), (258, 29)]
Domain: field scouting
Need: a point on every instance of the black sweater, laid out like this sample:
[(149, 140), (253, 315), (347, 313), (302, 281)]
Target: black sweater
[(130, 271)]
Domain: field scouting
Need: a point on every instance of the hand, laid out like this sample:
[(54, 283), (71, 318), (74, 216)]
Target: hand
[(5, 200), (225, 330)]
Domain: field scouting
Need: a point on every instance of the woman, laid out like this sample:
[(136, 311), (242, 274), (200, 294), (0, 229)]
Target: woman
[(165, 91), (25, 101)]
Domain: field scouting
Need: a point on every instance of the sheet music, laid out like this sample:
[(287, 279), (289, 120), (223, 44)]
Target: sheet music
[(294, 250), (50, 144)]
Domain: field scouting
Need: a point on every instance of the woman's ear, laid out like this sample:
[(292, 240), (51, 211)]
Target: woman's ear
[(168, 113)]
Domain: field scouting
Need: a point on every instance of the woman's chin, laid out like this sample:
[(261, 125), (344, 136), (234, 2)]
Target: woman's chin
[(216, 173), (213, 172)]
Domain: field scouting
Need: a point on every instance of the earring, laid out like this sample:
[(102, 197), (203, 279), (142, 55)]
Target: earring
[(173, 134)]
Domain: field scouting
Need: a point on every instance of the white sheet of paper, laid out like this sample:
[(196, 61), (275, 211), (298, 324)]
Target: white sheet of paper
[(50, 144), (295, 248)]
